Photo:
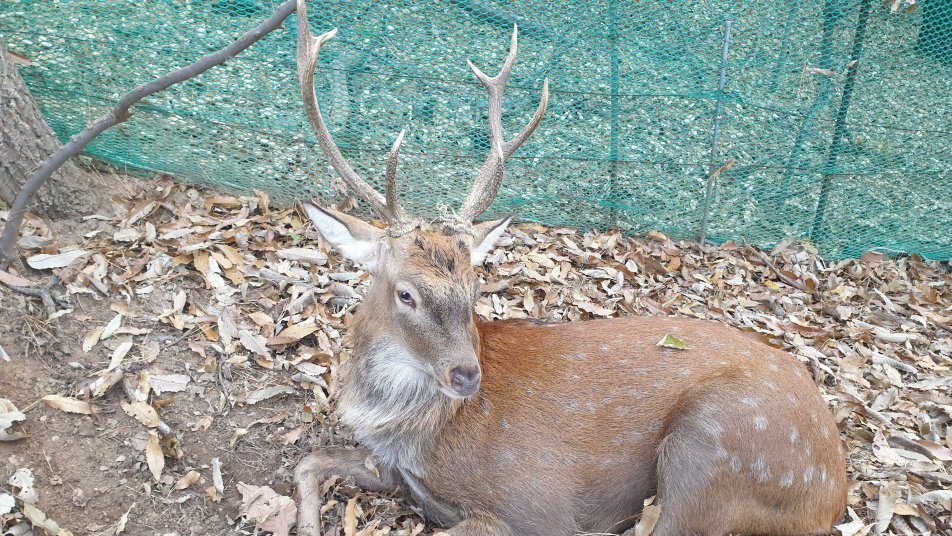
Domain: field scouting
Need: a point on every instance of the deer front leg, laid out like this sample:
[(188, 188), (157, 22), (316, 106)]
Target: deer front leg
[(478, 526), (325, 462)]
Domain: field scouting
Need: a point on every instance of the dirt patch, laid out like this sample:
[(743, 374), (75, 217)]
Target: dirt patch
[(215, 290)]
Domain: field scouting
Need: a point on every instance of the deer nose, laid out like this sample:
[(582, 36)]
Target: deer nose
[(464, 380)]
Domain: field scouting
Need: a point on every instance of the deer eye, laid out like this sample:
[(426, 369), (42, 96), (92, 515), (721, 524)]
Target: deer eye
[(406, 298)]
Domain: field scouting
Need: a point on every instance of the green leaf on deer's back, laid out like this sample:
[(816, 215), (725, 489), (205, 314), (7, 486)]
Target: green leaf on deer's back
[(670, 341)]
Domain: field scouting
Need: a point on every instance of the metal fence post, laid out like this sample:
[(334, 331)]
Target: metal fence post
[(839, 128), (709, 186), (613, 141)]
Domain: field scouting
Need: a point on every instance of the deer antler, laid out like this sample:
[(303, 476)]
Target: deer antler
[(487, 182), (308, 49)]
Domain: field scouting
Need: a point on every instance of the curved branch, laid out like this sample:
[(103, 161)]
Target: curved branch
[(121, 112)]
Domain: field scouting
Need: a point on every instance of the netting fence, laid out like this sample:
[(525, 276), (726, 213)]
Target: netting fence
[(835, 113)]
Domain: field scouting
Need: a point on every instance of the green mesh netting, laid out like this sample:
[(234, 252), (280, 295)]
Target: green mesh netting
[(836, 111)]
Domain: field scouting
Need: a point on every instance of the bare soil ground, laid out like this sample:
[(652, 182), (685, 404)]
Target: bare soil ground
[(205, 305)]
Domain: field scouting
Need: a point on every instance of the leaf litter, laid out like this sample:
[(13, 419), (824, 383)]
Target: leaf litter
[(260, 304)]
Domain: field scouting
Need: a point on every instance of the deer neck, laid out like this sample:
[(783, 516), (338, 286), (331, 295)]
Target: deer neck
[(390, 402)]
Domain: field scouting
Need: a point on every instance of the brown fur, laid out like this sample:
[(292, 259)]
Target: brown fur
[(574, 425)]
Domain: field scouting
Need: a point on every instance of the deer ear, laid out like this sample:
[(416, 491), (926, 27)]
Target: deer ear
[(485, 237), (356, 239)]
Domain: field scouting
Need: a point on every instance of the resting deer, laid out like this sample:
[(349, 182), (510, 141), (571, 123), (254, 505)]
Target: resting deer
[(521, 428)]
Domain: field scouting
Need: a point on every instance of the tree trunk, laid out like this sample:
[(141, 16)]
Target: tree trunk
[(25, 142)]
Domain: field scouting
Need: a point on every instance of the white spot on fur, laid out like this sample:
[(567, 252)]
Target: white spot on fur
[(794, 435), (822, 473), (773, 366), (760, 422), (759, 470), (808, 475), (826, 433), (720, 453), (578, 356), (786, 480), (748, 401), (604, 349), (770, 385), (792, 398), (713, 428), (735, 464)]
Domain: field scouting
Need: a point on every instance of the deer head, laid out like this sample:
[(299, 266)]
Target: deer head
[(419, 307)]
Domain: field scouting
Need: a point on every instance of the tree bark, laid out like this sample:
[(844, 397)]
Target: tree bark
[(25, 142)]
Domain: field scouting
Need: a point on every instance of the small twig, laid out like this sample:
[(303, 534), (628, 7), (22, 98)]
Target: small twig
[(130, 392), (792, 282), (49, 303), (43, 293), (184, 336), (121, 112)]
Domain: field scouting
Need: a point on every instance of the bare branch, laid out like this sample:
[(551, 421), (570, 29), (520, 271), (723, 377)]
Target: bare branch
[(121, 112), (489, 178)]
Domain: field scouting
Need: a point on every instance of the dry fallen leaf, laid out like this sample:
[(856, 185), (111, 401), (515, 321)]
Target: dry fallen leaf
[(9, 414), (40, 519), (350, 517), (217, 483), (154, 457), (92, 338), (119, 354), (299, 331), (187, 480), (649, 518), (269, 392), (7, 503), (305, 255), (142, 412), (889, 494), (123, 520), (111, 327), (62, 259), (12, 280), (254, 343), (169, 383), (852, 527), (270, 511), (69, 405), (22, 484)]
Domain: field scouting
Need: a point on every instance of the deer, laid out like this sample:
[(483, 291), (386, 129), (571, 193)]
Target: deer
[(528, 428)]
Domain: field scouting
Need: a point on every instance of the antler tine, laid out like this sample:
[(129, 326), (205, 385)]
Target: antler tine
[(308, 49), (489, 178), (393, 204)]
